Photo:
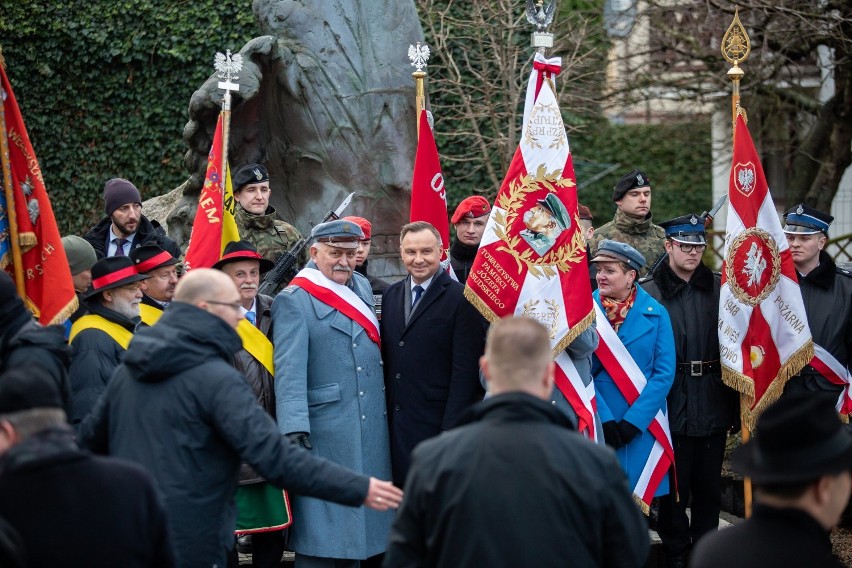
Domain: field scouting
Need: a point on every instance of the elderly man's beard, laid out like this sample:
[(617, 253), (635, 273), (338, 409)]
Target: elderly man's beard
[(127, 308)]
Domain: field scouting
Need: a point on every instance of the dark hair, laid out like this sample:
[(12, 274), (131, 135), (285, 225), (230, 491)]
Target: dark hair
[(418, 226)]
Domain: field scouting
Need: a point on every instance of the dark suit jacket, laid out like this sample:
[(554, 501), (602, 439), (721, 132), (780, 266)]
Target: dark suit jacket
[(431, 364)]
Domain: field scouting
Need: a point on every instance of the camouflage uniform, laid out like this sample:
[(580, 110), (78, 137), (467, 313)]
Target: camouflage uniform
[(644, 236), (272, 237)]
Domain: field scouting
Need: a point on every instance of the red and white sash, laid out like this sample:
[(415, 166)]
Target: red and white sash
[(580, 396), (630, 380), (833, 370), (340, 298)]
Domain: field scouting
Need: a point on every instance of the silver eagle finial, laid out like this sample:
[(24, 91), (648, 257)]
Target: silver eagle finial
[(419, 55), (539, 15)]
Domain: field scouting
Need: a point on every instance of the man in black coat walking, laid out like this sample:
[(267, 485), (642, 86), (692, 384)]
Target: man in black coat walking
[(177, 406), (515, 485), (702, 409), (432, 338), (800, 465)]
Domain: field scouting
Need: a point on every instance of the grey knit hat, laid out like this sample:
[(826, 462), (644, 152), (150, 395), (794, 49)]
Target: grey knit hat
[(81, 255)]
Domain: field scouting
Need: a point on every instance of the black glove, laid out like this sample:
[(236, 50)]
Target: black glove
[(627, 431), (611, 435), (300, 439)]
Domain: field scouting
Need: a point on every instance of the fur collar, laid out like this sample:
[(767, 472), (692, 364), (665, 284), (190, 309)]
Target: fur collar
[(670, 283)]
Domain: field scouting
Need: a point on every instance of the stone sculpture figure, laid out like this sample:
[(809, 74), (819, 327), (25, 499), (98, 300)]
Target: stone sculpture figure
[(326, 102)]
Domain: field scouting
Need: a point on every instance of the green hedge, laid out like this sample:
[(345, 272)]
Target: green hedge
[(675, 156), (104, 88)]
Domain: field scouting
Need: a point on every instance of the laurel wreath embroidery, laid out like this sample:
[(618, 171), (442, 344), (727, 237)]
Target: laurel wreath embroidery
[(531, 140), (558, 258), (730, 269), (548, 319)]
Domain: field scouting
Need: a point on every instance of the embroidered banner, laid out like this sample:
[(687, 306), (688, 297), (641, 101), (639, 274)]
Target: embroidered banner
[(532, 258), (764, 337), (47, 283)]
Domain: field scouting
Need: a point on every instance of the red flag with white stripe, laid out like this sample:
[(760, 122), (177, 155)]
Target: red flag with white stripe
[(764, 336), (532, 258)]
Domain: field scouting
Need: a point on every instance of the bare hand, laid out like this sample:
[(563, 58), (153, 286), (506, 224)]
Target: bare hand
[(382, 495)]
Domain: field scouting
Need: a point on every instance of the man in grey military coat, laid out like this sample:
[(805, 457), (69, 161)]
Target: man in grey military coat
[(329, 392)]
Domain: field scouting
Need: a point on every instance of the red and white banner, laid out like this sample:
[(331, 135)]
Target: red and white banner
[(42, 270), (532, 258), (428, 194), (764, 336), (630, 380), (339, 297), (214, 225), (829, 367)]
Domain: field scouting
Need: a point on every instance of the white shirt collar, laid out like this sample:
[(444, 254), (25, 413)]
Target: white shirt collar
[(424, 284)]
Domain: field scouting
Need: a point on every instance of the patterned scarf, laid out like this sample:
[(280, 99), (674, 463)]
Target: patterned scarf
[(616, 311)]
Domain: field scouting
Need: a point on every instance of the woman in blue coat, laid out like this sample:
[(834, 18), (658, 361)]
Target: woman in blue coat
[(644, 327)]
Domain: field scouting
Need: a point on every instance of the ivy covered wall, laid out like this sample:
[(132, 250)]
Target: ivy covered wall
[(104, 89)]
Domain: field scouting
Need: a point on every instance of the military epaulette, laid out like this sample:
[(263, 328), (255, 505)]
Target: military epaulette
[(289, 289), (645, 279), (844, 272)]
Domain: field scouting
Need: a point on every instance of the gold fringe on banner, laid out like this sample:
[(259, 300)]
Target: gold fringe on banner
[(642, 505), (745, 385), (477, 302), (572, 334)]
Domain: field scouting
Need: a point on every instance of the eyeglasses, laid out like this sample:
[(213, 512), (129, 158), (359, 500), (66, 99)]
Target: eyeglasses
[(234, 305), (689, 248)]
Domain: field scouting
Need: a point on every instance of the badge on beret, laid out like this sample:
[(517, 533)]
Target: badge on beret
[(640, 180), (257, 174)]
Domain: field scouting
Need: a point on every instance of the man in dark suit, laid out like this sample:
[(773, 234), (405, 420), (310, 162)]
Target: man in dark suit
[(432, 338)]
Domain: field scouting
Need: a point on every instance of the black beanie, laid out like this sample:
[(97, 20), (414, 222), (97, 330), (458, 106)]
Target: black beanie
[(118, 192)]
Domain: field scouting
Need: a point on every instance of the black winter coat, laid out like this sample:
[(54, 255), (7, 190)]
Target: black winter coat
[(177, 406), (776, 538), (94, 356), (24, 343), (461, 259), (827, 293), (431, 364), (148, 232), (74, 509), (514, 486), (698, 405)]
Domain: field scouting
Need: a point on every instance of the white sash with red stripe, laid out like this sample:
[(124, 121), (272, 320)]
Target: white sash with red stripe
[(340, 298), (630, 381), (833, 370)]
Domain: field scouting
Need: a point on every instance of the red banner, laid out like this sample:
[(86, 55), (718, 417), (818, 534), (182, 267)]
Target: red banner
[(214, 225), (27, 217), (428, 195), (764, 336)]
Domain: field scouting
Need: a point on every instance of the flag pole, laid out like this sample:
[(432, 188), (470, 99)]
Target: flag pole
[(8, 190), (735, 49), (419, 56), (227, 66), (736, 46)]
